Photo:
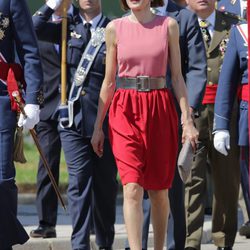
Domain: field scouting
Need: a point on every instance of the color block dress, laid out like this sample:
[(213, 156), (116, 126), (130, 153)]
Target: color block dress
[(143, 125)]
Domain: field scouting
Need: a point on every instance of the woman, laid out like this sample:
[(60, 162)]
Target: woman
[(233, 80), (142, 118)]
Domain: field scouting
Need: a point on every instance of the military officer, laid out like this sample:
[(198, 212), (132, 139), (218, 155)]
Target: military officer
[(87, 172), (16, 31), (215, 27), (48, 134), (237, 7), (233, 80)]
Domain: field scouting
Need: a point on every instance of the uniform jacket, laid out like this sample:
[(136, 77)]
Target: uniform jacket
[(218, 45), (86, 108), (232, 6), (51, 63), (234, 72), (16, 28), (193, 58)]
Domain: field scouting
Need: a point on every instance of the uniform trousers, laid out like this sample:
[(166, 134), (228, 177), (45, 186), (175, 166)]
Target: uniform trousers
[(225, 178), (90, 177), (11, 231), (46, 199)]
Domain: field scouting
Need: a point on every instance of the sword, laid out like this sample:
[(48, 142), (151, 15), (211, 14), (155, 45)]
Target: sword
[(16, 96)]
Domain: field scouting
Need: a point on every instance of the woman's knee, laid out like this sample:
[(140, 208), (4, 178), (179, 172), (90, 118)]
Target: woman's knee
[(158, 196), (133, 192)]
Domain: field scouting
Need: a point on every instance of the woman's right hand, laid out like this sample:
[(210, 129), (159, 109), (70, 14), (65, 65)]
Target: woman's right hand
[(189, 132), (97, 141)]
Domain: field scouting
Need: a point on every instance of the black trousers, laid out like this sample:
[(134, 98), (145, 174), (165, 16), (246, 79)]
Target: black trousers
[(46, 201)]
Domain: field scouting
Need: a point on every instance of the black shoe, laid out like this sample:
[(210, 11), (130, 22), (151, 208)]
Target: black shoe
[(43, 232), (245, 230), (224, 248), (190, 248)]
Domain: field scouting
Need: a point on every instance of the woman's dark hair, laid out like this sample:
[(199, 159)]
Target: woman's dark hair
[(154, 3)]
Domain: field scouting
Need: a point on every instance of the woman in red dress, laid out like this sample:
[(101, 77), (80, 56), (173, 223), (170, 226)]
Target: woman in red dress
[(142, 119)]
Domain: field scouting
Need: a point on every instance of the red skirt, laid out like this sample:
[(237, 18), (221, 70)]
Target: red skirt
[(143, 129)]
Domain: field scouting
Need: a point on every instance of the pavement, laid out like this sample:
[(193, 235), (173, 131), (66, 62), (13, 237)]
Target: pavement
[(27, 214)]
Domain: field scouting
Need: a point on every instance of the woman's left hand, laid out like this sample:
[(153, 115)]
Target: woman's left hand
[(189, 132)]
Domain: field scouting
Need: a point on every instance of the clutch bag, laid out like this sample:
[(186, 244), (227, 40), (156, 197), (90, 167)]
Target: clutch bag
[(185, 160)]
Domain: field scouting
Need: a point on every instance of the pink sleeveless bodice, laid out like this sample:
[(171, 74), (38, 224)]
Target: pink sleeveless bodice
[(142, 49)]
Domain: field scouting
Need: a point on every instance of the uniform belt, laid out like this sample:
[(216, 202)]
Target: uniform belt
[(243, 92), (141, 83)]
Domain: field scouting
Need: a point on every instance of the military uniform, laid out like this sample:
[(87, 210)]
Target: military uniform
[(233, 80), (225, 170), (88, 174), (16, 31)]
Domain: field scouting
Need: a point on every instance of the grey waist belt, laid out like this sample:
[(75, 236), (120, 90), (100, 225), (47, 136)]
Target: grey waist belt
[(141, 83)]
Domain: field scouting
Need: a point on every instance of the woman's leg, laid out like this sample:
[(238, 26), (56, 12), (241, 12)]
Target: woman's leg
[(159, 212), (133, 216)]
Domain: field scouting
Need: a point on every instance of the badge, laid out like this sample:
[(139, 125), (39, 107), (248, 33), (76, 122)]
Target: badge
[(98, 37), (79, 76), (73, 34), (233, 2)]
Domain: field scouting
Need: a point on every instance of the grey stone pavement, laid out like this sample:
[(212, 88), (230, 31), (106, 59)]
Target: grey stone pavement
[(28, 217)]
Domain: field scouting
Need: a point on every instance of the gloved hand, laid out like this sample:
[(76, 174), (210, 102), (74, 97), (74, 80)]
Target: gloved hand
[(54, 4), (222, 141), (32, 111)]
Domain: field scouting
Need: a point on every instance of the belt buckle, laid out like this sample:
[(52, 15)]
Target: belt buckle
[(143, 83)]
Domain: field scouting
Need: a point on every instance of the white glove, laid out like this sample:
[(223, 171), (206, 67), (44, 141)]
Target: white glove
[(222, 141), (54, 4), (32, 111)]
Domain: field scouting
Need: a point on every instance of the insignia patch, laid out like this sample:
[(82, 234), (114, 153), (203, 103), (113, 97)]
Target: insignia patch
[(4, 24), (40, 97), (233, 2), (75, 35)]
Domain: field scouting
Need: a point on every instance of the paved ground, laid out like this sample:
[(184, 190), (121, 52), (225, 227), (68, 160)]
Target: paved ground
[(28, 216)]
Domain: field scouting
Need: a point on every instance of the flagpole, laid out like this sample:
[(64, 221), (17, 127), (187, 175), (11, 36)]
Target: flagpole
[(64, 57)]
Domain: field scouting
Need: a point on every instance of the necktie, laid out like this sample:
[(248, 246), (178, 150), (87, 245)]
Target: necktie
[(88, 31), (204, 24)]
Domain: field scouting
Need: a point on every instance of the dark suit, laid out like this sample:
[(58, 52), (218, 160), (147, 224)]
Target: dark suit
[(193, 60), (16, 29), (87, 172), (48, 135)]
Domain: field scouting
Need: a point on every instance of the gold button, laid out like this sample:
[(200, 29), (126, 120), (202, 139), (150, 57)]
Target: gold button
[(83, 92), (210, 83), (209, 69)]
